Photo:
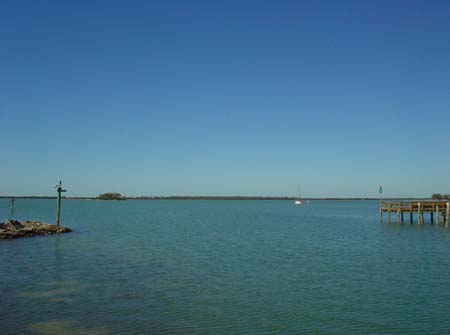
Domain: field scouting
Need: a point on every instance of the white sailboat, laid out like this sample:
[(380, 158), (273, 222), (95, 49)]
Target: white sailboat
[(298, 201)]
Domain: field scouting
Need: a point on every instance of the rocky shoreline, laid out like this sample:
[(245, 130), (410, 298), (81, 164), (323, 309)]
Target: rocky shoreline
[(14, 229)]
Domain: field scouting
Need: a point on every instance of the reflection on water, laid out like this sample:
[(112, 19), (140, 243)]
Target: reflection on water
[(65, 327), (55, 291), (57, 245)]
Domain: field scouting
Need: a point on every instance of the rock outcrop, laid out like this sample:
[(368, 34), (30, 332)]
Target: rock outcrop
[(14, 228)]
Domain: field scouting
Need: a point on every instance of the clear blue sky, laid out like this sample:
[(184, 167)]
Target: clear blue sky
[(225, 97)]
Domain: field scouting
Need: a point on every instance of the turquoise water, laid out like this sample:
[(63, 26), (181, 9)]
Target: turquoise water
[(223, 267)]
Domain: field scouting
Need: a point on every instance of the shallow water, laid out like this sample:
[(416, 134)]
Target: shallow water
[(223, 267)]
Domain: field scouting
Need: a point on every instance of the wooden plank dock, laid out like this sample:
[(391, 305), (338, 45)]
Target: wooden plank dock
[(438, 211)]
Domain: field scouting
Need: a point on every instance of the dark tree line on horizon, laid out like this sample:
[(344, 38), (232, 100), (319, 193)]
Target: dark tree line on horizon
[(438, 196), (111, 196)]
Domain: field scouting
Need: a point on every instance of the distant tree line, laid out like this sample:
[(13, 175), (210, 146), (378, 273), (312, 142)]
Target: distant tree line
[(438, 196), (111, 196)]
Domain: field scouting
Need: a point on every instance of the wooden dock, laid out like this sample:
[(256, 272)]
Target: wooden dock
[(439, 211)]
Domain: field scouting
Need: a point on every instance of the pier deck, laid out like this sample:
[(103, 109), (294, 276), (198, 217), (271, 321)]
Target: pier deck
[(439, 211)]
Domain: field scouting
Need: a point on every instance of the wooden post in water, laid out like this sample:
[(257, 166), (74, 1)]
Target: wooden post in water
[(431, 217), (437, 215), (389, 213), (58, 204), (380, 204), (410, 214), (419, 214), (447, 214)]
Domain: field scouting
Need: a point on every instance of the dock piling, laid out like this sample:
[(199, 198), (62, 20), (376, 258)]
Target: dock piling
[(419, 214), (437, 215), (447, 214)]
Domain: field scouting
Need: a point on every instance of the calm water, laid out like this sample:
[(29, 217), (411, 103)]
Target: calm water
[(223, 267)]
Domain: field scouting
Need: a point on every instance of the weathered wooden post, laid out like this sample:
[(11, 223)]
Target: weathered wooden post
[(437, 215), (410, 214), (12, 208), (419, 214), (58, 205), (389, 213), (379, 204), (447, 214)]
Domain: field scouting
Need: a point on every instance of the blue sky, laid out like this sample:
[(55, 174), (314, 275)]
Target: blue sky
[(225, 97)]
